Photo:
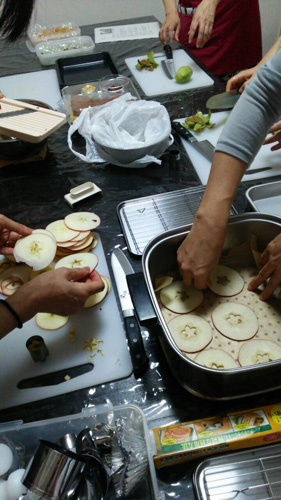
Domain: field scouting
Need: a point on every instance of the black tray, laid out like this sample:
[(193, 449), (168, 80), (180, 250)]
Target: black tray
[(83, 69)]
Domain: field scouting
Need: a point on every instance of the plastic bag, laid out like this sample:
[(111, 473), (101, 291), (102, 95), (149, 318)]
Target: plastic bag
[(131, 127)]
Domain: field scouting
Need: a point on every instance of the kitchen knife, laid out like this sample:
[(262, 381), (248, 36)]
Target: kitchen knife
[(169, 61), (121, 268), (226, 100), (17, 112), (204, 147)]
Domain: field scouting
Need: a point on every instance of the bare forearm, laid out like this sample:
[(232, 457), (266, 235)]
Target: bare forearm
[(270, 53), (225, 176), (170, 6)]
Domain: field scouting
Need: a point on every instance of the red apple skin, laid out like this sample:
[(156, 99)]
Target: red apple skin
[(176, 312), (230, 338), (6, 282), (199, 350)]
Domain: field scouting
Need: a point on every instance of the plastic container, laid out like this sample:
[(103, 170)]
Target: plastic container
[(23, 438), (39, 33), (78, 97), (49, 52)]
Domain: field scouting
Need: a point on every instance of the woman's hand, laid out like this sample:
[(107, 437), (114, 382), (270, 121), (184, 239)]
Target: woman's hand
[(241, 79), (270, 269), (170, 27), (276, 137), (199, 253), (10, 232), (203, 22), (62, 291)]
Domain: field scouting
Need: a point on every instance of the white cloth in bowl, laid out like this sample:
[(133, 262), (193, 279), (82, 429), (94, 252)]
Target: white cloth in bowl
[(123, 124)]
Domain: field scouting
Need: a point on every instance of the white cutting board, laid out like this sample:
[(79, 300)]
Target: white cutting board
[(102, 322), (264, 158), (39, 85), (157, 82)]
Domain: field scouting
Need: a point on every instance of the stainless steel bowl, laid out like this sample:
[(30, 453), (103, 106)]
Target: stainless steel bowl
[(12, 149), (159, 257)]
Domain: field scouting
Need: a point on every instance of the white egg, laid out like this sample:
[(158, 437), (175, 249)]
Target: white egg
[(6, 458), (3, 490), (14, 485)]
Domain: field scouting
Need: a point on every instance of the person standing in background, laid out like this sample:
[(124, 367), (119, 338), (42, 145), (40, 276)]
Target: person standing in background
[(223, 35)]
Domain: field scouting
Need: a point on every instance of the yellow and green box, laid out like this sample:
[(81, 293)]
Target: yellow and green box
[(190, 440)]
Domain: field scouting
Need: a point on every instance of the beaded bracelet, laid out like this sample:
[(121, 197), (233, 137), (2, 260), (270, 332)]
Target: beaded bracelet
[(13, 312)]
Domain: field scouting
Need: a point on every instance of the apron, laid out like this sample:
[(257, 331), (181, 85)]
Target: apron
[(235, 42)]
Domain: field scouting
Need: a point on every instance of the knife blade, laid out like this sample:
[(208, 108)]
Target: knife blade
[(204, 147), (225, 100), (169, 61), (17, 112), (121, 268)]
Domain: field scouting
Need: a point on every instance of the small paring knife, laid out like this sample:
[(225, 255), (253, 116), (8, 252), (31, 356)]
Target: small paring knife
[(169, 61), (121, 268)]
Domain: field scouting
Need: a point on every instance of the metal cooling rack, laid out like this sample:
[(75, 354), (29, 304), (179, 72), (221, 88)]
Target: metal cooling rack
[(142, 219), (251, 475)]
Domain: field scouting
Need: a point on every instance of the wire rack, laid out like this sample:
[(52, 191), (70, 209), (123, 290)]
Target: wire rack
[(144, 218), (245, 478)]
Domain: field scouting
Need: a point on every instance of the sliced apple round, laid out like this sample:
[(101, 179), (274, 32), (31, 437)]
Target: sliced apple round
[(190, 332), (226, 282), (257, 351), (179, 298), (235, 321), (98, 297), (82, 221), (162, 282), (49, 321), (20, 271), (61, 232), (44, 231), (10, 285), (216, 359), (78, 260), (108, 281), (36, 250)]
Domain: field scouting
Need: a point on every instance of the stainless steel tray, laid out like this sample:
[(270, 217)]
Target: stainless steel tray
[(249, 475), (144, 218), (266, 198)]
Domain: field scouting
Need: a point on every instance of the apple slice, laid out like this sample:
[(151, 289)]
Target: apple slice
[(82, 221), (78, 260), (20, 271), (98, 297), (235, 321), (10, 285), (257, 351), (44, 231), (36, 250), (162, 282), (83, 244), (179, 298), (49, 321), (216, 358), (108, 281), (190, 332), (226, 282), (61, 232)]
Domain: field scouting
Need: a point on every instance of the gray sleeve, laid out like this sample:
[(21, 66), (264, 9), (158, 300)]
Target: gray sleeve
[(258, 108)]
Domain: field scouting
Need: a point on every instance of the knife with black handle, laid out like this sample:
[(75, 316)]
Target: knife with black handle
[(121, 269)]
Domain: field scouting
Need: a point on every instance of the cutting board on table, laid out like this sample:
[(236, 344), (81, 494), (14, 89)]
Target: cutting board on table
[(39, 85), (102, 322), (157, 82), (264, 158)]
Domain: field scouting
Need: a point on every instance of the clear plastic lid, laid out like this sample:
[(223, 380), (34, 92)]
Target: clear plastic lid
[(40, 33)]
